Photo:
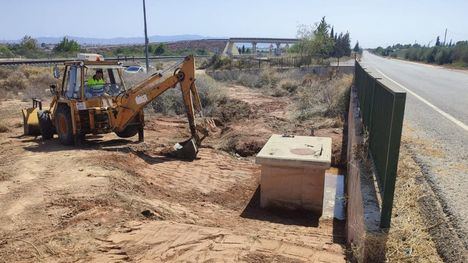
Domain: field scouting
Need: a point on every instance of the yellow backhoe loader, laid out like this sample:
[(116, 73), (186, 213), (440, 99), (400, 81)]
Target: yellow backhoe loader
[(84, 104)]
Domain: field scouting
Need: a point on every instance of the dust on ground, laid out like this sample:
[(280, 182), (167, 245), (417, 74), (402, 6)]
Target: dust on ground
[(118, 200)]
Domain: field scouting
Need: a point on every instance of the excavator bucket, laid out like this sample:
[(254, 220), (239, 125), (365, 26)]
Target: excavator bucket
[(186, 150), (30, 119)]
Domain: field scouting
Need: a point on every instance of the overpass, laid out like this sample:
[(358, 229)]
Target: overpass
[(231, 49)]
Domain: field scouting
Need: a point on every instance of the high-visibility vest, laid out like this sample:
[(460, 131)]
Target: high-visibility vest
[(96, 86), (92, 83)]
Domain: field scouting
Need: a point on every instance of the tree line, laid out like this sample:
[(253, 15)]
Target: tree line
[(322, 41), (29, 47), (440, 53)]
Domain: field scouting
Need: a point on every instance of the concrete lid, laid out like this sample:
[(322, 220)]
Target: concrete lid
[(296, 151)]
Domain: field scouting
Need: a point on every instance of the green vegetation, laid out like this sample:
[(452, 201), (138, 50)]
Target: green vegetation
[(67, 46), (357, 48), (29, 48), (321, 42), (456, 54), (157, 50), (160, 49), (5, 52)]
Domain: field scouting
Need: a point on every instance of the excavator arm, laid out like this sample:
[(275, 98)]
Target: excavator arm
[(134, 100)]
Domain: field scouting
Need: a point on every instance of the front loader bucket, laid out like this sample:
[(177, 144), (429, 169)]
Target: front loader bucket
[(186, 150), (30, 121)]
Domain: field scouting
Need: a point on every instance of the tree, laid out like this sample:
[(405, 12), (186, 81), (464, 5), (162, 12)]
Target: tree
[(322, 27), (460, 52), (437, 41), (160, 49), (338, 49), (243, 49), (332, 34), (67, 45), (28, 43), (5, 52), (356, 48), (342, 45), (346, 43), (314, 41)]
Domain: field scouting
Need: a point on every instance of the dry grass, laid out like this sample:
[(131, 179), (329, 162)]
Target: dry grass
[(25, 82), (211, 94), (3, 127), (409, 239), (314, 96), (323, 97)]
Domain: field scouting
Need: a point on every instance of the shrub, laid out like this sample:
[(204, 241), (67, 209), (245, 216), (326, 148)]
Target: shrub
[(278, 92), (15, 81), (4, 72), (210, 93), (268, 79), (324, 97), (217, 62), (443, 56), (3, 128), (229, 109), (171, 101), (289, 85), (460, 52), (249, 80)]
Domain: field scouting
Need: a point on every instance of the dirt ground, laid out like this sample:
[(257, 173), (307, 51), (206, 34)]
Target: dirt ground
[(117, 200)]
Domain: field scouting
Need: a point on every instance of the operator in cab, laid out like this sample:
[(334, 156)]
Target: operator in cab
[(96, 84)]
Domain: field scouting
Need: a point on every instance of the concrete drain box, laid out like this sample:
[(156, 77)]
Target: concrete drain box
[(293, 172)]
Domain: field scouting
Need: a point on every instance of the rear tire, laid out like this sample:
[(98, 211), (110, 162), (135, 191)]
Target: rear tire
[(63, 125), (45, 125), (128, 132)]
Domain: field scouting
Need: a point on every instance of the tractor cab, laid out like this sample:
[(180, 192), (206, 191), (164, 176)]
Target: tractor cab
[(91, 78)]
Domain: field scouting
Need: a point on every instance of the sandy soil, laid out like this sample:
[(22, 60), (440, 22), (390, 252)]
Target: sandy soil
[(117, 200)]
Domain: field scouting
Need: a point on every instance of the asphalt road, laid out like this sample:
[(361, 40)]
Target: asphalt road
[(436, 116)]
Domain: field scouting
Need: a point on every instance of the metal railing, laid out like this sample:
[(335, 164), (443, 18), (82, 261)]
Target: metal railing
[(382, 107)]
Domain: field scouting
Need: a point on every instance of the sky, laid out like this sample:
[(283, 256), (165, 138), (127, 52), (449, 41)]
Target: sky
[(371, 22)]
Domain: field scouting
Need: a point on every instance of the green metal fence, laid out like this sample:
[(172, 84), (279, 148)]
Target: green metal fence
[(382, 107)]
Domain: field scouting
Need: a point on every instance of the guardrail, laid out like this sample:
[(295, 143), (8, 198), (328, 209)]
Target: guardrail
[(382, 107), (61, 60)]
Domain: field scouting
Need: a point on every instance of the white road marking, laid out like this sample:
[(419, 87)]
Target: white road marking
[(443, 113)]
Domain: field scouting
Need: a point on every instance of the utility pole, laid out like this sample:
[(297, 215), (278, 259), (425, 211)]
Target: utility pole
[(445, 37), (146, 38)]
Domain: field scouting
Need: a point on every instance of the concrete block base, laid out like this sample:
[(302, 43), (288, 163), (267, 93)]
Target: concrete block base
[(292, 188)]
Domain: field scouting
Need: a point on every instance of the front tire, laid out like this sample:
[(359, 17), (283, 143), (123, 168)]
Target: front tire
[(63, 124), (45, 125)]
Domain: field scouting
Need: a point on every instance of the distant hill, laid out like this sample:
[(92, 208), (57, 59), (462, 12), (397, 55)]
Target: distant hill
[(118, 40)]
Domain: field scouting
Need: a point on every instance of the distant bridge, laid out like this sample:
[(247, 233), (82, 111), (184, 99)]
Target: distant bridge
[(231, 49)]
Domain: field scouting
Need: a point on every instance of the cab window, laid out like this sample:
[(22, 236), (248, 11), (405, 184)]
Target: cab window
[(111, 83), (73, 83)]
